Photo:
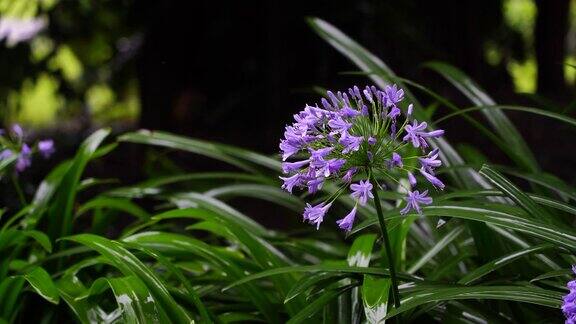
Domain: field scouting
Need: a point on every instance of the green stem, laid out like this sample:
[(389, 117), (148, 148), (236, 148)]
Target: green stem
[(387, 246), (19, 190)]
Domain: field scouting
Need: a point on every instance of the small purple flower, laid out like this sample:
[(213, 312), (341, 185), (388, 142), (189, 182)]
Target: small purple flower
[(288, 148), (326, 104), (430, 161), (287, 167), (569, 301), (46, 148), (348, 112), (411, 179), (24, 159), (315, 184), (320, 153), (416, 134), (5, 154), (18, 132), (362, 191), (355, 93), (291, 182), (335, 101), (368, 94), (351, 143), (315, 214), (333, 166), (372, 140), (394, 112), (432, 179), (348, 175), (393, 95), (413, 201), (396, 160), (339, 125), (410, 109), (347, 222)]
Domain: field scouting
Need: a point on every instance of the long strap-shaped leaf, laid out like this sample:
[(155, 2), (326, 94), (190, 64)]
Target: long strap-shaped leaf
[(509, 217), (500, 262), (61, 212), (530, 295), (534, 210), (323, 268), (244, 159), (129, 265), (495, 117)]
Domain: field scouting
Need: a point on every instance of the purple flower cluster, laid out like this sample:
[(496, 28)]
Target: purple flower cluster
[(358, 133), (12, 143), (569, 301)]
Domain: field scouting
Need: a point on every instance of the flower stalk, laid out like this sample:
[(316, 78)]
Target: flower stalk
[(387, 247)]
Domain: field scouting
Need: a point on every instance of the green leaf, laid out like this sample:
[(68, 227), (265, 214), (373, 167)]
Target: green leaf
[(361, 250), (334, 268), (61, 212), (71, 290), (542, 200), (244, 159), (501, 216), (114, 203), (10, 291), (546, 180), (487, 107), (359, 255), (41, 238), (375, 295), (185, 282), (264, 192), (511, 191), (44, 194), (129, 265), (41, 282), (194, 205), (153, 186), (5, 163), (566, 273), (320, 279), (184, 245), (439, 246), (530, 295), (135, 302), (501, 262), (497, 119), (318, 304)]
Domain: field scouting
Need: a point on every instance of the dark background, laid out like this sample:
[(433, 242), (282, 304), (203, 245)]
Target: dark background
[(236, 71)]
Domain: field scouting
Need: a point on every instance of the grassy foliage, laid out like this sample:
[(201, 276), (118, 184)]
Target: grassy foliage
[(487, 250)]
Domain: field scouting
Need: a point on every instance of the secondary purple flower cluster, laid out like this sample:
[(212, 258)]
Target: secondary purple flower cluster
[(569, 301), (357, 134), (12, 144)]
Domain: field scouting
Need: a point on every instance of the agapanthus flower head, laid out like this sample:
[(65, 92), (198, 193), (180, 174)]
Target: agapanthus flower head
[(357, 138), (569, 301), (12, 144)]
